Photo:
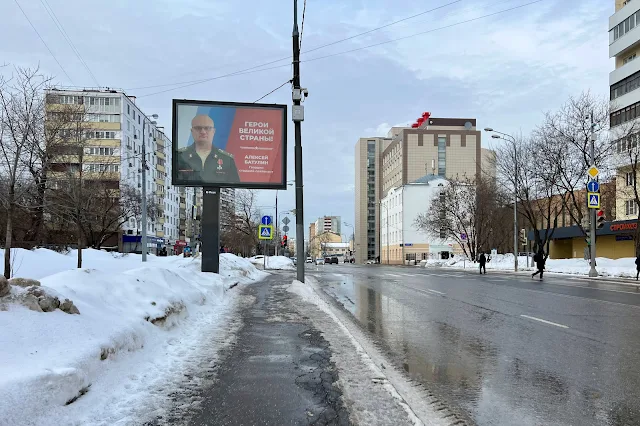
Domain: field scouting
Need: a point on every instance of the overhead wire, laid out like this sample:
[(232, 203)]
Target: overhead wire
[(288, 58), (43, 42), (261, 98), (60, 27), (258, 68), (304, 10)]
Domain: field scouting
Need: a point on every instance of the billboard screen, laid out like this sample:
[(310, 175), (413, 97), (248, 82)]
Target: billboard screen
[(229, 145)]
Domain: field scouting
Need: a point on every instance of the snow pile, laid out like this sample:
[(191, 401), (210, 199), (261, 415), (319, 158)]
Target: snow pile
[(622, 268), (49, 359), (274, 262)]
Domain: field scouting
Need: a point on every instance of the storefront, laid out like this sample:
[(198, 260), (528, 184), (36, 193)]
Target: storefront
[(614, 241)]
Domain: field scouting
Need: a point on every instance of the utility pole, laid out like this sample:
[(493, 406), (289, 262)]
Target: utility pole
[(194, 213), (277, 239), (592, 212), (297, 114), (144, 193), (515, 208)]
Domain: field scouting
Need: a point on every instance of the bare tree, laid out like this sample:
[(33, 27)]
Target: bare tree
[(566, 136), (627, 162), (239, 223), (530, 165), (21, 112)]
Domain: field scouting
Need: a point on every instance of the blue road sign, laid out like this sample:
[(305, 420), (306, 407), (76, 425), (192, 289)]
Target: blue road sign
[(266, 220), (593, 200), (593, 186), (265, 232)]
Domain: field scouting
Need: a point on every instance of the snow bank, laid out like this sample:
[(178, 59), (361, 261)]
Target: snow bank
[(48, 359), (622, 268), (274, 262)]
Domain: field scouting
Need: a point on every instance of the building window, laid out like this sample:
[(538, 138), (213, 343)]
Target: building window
[(625, 26), (442, 156), (101, 135), (628, 59), (626, 85), (630, 178), (624, 115), (100, 151), (631, 208), (101, 168)]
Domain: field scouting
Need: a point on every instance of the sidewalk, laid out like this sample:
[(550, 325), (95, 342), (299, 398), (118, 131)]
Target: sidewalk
[(601, 279), (279, 371)]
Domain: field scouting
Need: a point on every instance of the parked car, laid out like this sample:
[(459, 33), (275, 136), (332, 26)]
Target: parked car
[(295, 260), (331, 259), (320, 261), (370, 262), (309, 260)]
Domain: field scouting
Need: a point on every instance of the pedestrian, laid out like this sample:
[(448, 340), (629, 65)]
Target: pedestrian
[(539, 259), (637, 266), (483, 263)]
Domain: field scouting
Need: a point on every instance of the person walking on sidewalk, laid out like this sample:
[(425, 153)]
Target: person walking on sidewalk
[(637, 266), (539, 259), (483, 263)]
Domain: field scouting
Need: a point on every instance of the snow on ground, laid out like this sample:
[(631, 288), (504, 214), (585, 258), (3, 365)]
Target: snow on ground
[(274, 262), (373, 393), (112, 349), (623, 268)]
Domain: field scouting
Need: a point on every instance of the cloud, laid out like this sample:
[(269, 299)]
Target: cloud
[(505, 70)]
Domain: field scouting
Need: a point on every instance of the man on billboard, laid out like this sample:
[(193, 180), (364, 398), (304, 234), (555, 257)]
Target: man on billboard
[(202, 161)]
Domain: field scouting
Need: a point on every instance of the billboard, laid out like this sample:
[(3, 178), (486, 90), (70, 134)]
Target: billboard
[(229, 145)]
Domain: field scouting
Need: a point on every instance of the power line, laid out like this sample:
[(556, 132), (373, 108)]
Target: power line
[(58, 24), (259, 99), (304, 9), (258, 68), (422, 32), (43, 42), (288, 58)]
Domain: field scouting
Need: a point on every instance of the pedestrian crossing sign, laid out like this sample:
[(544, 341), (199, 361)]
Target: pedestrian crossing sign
[(593, 200), (265, 232)]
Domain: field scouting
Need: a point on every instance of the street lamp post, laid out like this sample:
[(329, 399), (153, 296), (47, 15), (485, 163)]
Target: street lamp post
[(511, 139), (143, 238), (289, 183)]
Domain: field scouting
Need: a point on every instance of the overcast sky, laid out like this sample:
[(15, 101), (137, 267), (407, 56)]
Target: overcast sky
[(506, 70)]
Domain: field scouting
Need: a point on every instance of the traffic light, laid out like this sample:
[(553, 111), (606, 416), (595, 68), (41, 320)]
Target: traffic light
[(284, 241), (600, 219), (523, 237)]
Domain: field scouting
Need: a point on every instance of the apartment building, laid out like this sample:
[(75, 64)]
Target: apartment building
[(114, 142), (368, 192), (328, 224), (400, 240), (450, 148)]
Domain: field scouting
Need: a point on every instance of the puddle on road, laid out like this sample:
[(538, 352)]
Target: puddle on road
[(491, 387)]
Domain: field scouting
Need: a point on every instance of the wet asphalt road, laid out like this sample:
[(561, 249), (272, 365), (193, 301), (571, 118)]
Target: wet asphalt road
[(505, 349)]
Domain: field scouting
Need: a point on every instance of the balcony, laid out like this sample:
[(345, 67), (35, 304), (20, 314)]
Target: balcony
[(627, 40), (624, 71)]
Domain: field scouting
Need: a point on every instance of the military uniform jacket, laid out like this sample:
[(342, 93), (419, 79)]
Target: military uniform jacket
[(219, 166)]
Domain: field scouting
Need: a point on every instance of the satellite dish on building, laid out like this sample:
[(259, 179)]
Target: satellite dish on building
[(468, 125)]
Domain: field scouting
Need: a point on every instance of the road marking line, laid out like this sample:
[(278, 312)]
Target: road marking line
[(393, 275), (544, 321), (435, 291)]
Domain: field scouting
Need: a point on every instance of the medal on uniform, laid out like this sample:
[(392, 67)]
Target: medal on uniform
[(219, 163)]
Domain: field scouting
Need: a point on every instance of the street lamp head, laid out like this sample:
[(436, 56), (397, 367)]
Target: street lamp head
[(154, 122), (154, 116), (488, 129), (496, 137)]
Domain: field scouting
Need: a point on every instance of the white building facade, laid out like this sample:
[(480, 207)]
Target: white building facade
[(401, 241)]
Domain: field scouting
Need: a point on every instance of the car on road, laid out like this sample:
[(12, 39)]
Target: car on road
[(309, 260), (320, 261), (295, 260), (331, 259), (370, 262)]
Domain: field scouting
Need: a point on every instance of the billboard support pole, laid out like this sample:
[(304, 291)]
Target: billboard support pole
[(298, 149), (210, 238)]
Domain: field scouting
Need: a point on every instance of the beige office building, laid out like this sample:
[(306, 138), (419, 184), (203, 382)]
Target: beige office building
[(445, 147)]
